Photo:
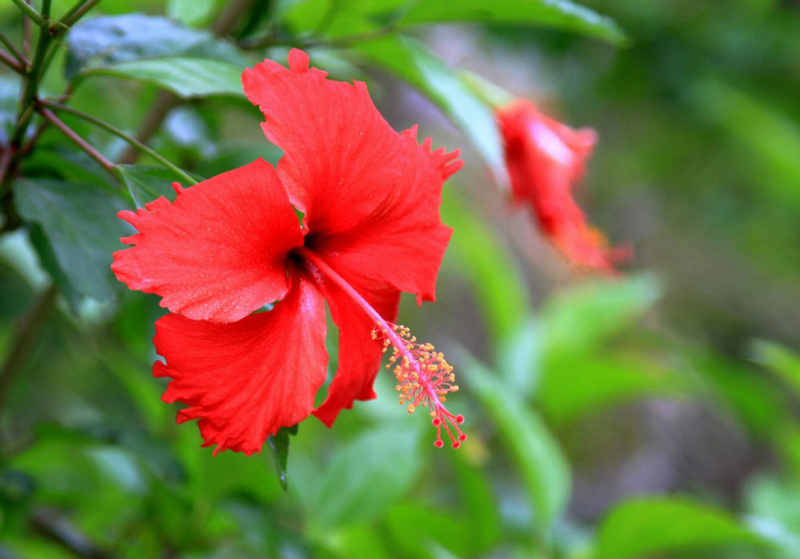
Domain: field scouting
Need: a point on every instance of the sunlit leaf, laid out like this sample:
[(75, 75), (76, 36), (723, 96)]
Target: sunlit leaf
[(544, 467), (582, 318), (577, 385), (186, 77), (191, 12), (414, 63), (105, 41), (502, 296), (364, 479), (644, 527), (561, 14)]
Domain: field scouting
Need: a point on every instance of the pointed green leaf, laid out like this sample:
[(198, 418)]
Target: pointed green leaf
[(186, 77), (279, 447), (411, 61), (541, 461), (105, 41), (364, 479), (560, 14)]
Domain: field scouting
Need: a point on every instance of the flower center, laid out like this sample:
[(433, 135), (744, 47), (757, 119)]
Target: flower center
[(424, 377)]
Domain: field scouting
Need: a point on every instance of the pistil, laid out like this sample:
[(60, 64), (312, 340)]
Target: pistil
[(424, 376)]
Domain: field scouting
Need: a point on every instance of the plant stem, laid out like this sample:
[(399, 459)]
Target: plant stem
[(80, 142), (228, 18), (24, 341), (31, 90), (58, 529), (78, 11), (120, 134), (166, 100), (12, 62), (30, 12), (13, 50), (152, 122)]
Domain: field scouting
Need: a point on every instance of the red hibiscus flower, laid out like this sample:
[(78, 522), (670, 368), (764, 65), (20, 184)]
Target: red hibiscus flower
[(544, 159), (232, 244)]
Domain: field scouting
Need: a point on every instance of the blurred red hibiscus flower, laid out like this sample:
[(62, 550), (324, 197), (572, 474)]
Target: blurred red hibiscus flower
[(228, 246), (544, 159)]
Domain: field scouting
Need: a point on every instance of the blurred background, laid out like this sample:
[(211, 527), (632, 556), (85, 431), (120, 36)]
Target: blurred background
[(650, 415)]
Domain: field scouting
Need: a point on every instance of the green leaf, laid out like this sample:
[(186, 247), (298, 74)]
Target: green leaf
[(772, 152), (146, 183), (780, 360), (186, 77), (644, 527), (335, 17), (478, 504), (544, 467), (428, 525), (560, 14), (79, 220), (193, 13), (279, 447), (412, 62), (581, 319), (503, 297), (105, 41), (365, 479), (576, 385)]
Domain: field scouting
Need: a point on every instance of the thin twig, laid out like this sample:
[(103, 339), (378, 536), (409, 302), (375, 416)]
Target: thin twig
[(56, 528), (164, 103), (77, 12), (24, 341), (5, 162), (227, 19), (29, 11), (12, 62), (80, 142), (120, 134), (166, 100), (13, 50)]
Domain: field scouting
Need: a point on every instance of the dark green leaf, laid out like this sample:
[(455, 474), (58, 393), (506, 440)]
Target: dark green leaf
[(365, 479), (186, 77), (543, 465), (414, 63), (644, 527), (80, 223), (49, 262), (105, 41), (279, 446), (560, 14)]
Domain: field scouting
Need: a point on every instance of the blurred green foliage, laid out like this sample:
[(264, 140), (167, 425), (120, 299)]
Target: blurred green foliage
[(653, 415)]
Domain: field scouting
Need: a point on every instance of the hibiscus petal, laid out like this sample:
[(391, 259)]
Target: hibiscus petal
[(359, 355), (247, 379), (403, 244), (219, 251), (342, 162)]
